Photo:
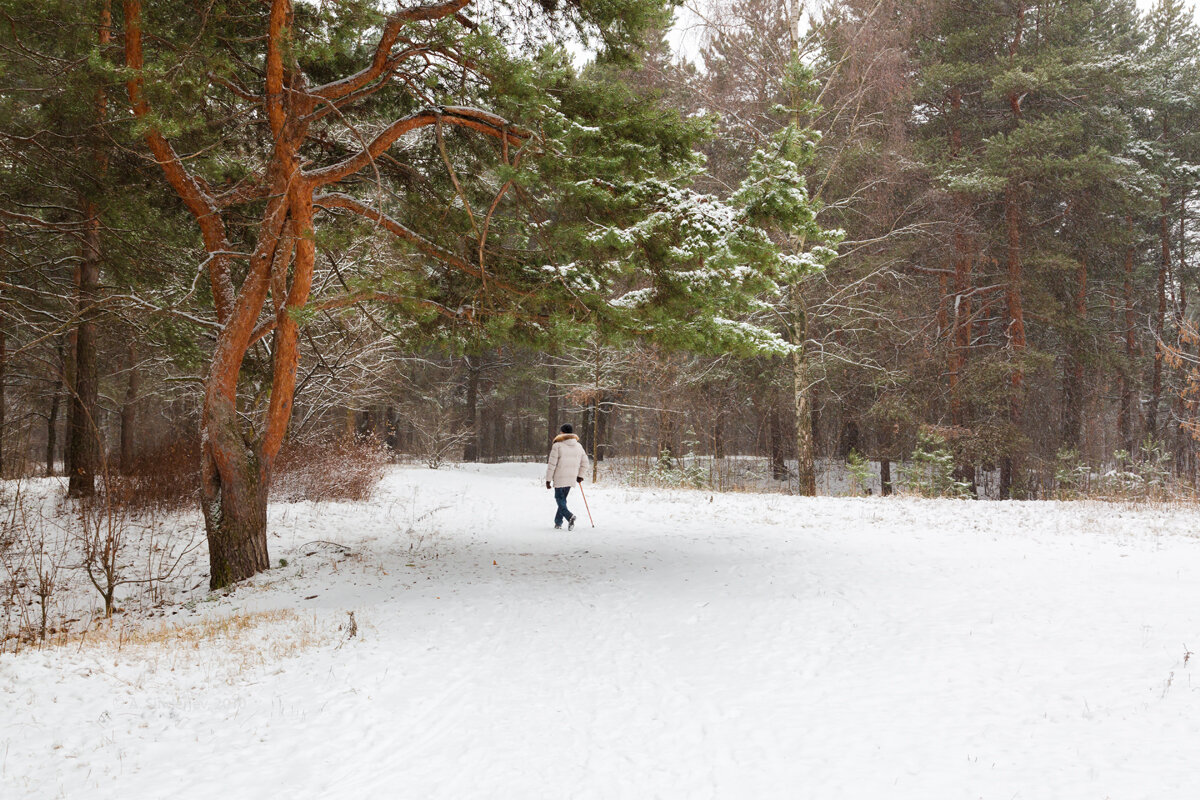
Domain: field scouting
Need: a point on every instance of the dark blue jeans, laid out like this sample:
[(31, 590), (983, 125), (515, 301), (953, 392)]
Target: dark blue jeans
[(560, 497)]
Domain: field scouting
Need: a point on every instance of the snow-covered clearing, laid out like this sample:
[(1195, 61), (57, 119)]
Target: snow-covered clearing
[(690, 646)]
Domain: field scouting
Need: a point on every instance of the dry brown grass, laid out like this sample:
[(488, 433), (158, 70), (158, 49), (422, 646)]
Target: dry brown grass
[(225, 629), (223, 644)]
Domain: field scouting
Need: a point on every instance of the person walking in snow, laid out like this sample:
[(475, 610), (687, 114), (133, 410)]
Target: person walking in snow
[(567, 464)]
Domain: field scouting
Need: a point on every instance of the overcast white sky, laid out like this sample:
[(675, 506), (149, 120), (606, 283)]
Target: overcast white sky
[(688, 25)]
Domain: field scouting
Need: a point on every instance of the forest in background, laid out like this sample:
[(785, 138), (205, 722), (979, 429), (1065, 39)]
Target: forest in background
[(234, 231)]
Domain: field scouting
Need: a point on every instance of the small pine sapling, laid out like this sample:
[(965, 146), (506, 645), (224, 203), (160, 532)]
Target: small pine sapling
[(860, 470), (930, 472)]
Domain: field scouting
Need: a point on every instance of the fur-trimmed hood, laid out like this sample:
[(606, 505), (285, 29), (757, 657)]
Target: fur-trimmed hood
[(563, 437)]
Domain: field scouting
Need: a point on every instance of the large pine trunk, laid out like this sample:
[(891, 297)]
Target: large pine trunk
[(235, 483)]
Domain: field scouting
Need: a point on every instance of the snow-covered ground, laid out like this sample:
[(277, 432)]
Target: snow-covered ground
[(690, 646)]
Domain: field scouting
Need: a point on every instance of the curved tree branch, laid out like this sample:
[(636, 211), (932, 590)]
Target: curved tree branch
[(186, 185), (391, 32), (435, 251), (341, 301), (477, 119)]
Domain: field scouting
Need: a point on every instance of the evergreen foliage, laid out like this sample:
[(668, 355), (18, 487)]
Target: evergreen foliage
[(974, 217)]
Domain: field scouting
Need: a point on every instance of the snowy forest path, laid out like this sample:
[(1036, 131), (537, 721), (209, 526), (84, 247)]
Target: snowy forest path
[(692, 645)]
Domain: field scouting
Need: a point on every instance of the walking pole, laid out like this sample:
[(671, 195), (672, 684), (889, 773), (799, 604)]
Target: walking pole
[(585, 504)]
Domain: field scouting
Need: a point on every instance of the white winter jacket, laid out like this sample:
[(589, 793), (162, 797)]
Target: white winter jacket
[(568, 461)]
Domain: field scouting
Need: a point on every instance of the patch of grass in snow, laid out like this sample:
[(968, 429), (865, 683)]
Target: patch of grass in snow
[(247, 638)]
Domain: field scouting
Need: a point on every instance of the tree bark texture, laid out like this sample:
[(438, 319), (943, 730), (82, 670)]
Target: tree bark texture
[(234, 497), (806, 468)]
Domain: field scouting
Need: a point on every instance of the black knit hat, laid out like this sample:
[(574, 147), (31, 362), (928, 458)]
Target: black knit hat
[(567, 428)]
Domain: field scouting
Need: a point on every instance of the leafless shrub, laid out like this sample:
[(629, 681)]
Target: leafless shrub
[(164, 552), (103, 526), (9, 601), (127, 510), (328, 468), (32, 555), (123, 541), (438, 433)]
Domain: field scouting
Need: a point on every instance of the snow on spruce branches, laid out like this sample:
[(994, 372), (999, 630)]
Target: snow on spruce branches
[(716, 263)]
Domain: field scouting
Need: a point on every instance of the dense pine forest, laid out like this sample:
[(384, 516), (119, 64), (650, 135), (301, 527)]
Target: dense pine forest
[(955, 239)]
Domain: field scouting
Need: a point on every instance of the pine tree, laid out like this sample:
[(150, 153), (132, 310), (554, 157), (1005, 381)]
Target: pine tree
[(520, 194), (1170, 149), (1027, 135)]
